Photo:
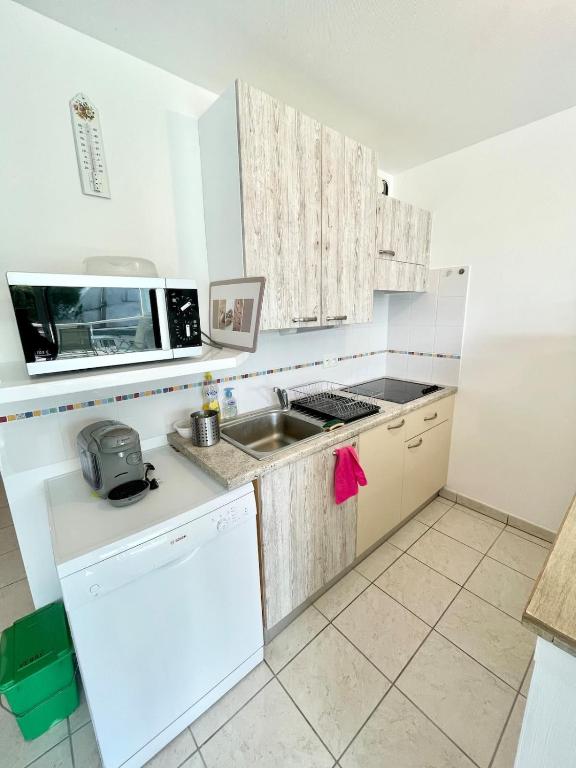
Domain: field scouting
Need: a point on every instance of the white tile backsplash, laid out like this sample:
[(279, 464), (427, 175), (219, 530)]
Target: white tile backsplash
[(423, 309), (399, 337), (445, 370), (418, 368), (399, 309), (448, 339), (451, 310), (429, 324), (453, 281), (396, 365), (421, 338)]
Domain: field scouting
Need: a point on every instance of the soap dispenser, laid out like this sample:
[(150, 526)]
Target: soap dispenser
[(229, 405)]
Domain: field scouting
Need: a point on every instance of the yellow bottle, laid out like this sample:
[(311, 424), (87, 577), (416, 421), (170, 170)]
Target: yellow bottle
[(210, 394)]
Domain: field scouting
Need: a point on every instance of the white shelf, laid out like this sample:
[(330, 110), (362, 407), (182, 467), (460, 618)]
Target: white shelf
[(17, 386)]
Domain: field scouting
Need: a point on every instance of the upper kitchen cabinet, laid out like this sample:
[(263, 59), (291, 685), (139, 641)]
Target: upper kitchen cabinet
[(292, 201), (348, 229), (261, 176), (402, 245)]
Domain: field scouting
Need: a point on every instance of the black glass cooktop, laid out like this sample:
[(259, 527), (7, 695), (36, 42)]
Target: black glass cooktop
[(393, 390)]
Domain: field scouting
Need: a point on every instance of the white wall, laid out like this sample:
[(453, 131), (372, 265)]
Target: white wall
[(507, 208)]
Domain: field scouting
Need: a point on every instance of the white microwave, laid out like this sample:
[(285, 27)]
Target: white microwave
[(76, 322)]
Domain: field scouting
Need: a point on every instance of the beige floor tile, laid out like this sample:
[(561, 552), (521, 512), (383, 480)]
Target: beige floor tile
[(335, 687), (268, 732), (17, 753), (490, 636), (193, 762), (291, 640), (383, 630), (501, 586), (526, 684), (518, 553), (445, 555), (424, 591), (468, 527), (479, 515), (15, 602), (59, 756), (8, 540), (11, 568), (220, 712), (408, 534), (81, 714), (377, 562), (398, 735), (5, 517), (434, 511), (506, 752), (528, 537), (341, 594), (466, 701), (174, 754), (85, 748)]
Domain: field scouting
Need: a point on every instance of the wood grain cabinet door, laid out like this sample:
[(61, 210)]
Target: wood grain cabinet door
[(348, 229), (380, 501), (425, 466), (402, 231), (306, 538), (280, 170)]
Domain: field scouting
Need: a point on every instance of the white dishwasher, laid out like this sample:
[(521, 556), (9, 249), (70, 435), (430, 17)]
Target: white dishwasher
[(166, 619)]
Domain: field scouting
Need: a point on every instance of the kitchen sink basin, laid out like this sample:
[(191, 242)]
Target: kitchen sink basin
[(267, 433)]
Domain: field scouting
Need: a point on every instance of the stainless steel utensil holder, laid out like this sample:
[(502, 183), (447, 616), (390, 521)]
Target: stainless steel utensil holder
[(205, 428)]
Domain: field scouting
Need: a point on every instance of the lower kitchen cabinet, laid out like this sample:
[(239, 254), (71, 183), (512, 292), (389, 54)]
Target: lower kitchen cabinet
[(306, 538), (380, 502), (425, 466)]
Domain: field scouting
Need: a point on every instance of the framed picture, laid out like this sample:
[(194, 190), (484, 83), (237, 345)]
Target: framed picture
[(235, 307)]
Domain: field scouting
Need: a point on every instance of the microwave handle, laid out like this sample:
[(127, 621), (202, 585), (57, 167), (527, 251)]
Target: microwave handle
[(163, 318)]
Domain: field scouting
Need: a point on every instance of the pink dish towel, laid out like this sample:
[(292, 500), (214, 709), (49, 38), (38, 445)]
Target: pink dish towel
[(348, 474)]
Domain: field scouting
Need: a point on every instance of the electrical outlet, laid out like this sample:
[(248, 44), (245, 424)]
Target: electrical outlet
[(330, 362)]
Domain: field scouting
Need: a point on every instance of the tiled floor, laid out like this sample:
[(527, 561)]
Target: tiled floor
[(415, 659)]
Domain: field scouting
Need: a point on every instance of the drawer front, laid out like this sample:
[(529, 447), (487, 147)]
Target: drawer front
[(428, 416)]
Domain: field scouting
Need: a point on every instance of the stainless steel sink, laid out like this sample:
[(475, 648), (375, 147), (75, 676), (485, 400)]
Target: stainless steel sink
[(266, 433)]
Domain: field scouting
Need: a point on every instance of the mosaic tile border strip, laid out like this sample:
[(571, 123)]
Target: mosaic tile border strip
[(195, 384)]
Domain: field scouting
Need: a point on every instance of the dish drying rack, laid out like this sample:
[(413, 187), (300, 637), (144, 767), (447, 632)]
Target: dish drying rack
[(325, 400)]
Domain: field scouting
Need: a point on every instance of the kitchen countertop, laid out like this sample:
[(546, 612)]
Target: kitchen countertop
[(232, 467), (551, 609)]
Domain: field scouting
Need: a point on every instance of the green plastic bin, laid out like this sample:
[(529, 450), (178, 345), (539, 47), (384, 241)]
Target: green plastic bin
[(37, 670)]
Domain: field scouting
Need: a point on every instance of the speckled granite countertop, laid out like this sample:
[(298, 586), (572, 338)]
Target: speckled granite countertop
[(551, 610), (232, 467)]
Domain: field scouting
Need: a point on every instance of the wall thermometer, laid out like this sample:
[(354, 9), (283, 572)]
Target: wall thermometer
[(89, 147)]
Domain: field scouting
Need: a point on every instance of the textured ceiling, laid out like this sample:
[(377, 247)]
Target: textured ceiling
[(415, 79)]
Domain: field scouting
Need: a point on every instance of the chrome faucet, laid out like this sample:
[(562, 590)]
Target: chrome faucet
[(282, 396)]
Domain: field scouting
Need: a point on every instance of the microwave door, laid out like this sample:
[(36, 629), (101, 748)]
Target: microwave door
[(36, 327), (70, 327)]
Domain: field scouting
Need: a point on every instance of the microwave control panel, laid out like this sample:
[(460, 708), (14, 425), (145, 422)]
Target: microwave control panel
[(183, 317)]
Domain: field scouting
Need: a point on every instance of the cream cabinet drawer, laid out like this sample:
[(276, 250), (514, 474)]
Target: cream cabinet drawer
[(428, 416)]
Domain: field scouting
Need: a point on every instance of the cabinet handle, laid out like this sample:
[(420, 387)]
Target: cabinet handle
[(416, 445), (337, 317), (397, 426), (431, 418), (312, 319), (384, 252)]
